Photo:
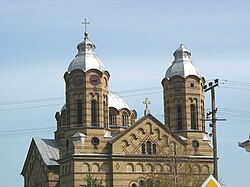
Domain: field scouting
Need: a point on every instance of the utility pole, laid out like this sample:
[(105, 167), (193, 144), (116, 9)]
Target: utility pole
[(214, 110)]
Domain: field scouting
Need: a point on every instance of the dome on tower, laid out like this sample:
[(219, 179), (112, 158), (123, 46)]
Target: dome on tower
[(86, 58), (182, 65)]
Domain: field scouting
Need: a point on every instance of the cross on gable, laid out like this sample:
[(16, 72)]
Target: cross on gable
[(147, 103)]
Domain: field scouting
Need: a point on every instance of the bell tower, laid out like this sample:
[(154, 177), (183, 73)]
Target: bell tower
[(86, 92), (184, 99)]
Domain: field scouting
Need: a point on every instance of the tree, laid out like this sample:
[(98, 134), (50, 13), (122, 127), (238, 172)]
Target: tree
[(92, 181), (181, 172)]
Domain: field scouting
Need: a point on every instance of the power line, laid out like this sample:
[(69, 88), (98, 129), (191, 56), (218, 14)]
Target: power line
[(235, 88), (31, 101), (24, 132), (225, 81), (28, 107), (146, 90), (60, 98)]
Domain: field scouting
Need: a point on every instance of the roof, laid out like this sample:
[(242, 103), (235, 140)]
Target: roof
[(49, 150), (182, 65), (245, 145), (116, 101), (86, 58)]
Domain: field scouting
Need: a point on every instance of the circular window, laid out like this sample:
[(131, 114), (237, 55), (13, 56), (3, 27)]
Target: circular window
[(195, 144), (94, 80), (95, 141)]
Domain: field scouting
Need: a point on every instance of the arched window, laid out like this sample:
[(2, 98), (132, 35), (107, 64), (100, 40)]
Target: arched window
[(193, 116), (94, 111), (154, 149), (112, 118), (168, 117), (202, 115), (141, 183), (104, 115), (133, 185), (143, 148), (179, 117), (124, 119), (150, 182), (79, 113), (149, 147)]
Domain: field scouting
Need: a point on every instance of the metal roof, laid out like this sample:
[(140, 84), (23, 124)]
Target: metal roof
[(182, 64), (116, 101), (49, 150), (86, 58)]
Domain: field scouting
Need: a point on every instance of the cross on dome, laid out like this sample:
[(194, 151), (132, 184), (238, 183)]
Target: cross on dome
[(85, 23)]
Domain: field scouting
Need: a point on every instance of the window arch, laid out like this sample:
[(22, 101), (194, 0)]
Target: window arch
[(105, 168), (124, 119), (139, 168), (193, 113), (112, 118), (154, 148), (79, 112), (104, 115), (129, 168), (148, 168), (143, 148), (149, 147), (94, 112), (95, 167), (141, 183), (85, 167), (179, 117), (168, 117)]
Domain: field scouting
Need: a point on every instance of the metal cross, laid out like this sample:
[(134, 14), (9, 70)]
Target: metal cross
[(147, 103), (85, 23)]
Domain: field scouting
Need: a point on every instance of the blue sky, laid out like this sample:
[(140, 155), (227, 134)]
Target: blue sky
[(135, 40)]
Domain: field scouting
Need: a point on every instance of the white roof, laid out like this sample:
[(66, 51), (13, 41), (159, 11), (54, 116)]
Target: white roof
[(116, 101), (182, 65), (86, 58)]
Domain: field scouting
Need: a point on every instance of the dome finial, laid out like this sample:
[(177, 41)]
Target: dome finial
[(85, 23)]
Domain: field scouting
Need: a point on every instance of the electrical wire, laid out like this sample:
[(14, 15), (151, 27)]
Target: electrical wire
[(138, 91), (232, 114)]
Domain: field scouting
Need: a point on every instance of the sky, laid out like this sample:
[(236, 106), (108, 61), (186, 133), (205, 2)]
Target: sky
[(135, 40)]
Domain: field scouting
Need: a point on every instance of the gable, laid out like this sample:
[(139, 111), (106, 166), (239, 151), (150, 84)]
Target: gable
[(147, 136), (41, 167), (46, 151)]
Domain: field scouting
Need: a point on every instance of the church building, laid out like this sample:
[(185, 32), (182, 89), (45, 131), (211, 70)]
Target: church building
[(99, 135)]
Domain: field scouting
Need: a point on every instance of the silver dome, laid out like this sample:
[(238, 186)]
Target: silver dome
[(86, 58), (182, 65), (114, 101)]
